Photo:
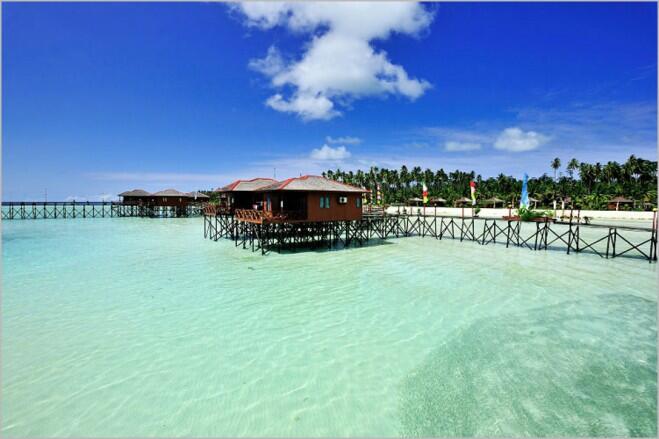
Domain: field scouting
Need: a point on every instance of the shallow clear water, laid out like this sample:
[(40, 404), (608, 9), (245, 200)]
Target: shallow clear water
[(140, 327)]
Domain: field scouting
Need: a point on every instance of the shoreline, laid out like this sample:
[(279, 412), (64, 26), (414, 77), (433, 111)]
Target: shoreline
[(488, 212)]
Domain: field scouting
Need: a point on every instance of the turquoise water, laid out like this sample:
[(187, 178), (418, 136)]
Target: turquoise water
[(140, 327)]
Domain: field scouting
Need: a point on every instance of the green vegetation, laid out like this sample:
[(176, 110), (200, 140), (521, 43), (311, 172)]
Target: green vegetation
[(595, 185), (214, 196), (527, 214)]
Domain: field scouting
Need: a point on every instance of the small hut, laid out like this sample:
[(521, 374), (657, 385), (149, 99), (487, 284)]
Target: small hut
[(462, 202), (533, 201), (170, 197), (437, 202), (493, 202), (198, 197), (241, 194), (136, 196), (563, 202), (617, 202), (310, 198), (416, 201)]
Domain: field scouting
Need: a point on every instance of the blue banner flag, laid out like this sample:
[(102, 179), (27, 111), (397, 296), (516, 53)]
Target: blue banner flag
[(524, 201)]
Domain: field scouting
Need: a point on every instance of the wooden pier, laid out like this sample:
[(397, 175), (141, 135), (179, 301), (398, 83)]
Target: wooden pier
[(270, 234), (70, 209)]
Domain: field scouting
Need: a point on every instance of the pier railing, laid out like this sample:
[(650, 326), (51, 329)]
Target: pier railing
[(606, 241), (15, 210), (262, 217)]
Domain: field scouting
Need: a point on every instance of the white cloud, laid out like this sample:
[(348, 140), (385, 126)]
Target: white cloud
[(591, 128), (307, 107), (515, 140), (272, 64), (339, 63), (326, 152), (453, 146), (347, 140)]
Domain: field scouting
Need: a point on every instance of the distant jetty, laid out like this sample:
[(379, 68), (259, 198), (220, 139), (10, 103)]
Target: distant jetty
[(169, 203)]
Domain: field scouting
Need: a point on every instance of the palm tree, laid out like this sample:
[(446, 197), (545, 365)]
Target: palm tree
[(597, 183), (611, 172), (555, 164), (404, 176), (572, 166), (416, 175), (587, 175)]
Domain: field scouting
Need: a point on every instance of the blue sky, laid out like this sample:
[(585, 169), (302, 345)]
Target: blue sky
[(100, 98)]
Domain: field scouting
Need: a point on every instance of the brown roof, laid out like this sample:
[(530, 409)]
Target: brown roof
[(197, 195), (463, 200), (621, 200), (170, 193), (135, 193), (495, 200), (311, 183), (247, 185), (437, 200)]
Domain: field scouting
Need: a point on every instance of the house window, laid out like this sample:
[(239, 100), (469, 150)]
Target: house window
[(268, 203), (327, 202), (359, 201), (324, 202)]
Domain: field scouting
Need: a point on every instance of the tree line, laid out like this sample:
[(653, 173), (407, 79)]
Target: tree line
[(589, 186)]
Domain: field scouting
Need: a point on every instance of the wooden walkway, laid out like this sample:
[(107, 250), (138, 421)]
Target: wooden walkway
[(605, 241), (12, 210)]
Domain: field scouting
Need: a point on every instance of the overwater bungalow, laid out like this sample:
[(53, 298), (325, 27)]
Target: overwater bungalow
[(240, 194), (618, 202), (198, 196), (148, 204), (305, 198), (171, 197), (136, 196)]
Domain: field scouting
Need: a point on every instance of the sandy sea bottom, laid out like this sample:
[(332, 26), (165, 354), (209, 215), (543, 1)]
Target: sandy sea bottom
[(139, 327)]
